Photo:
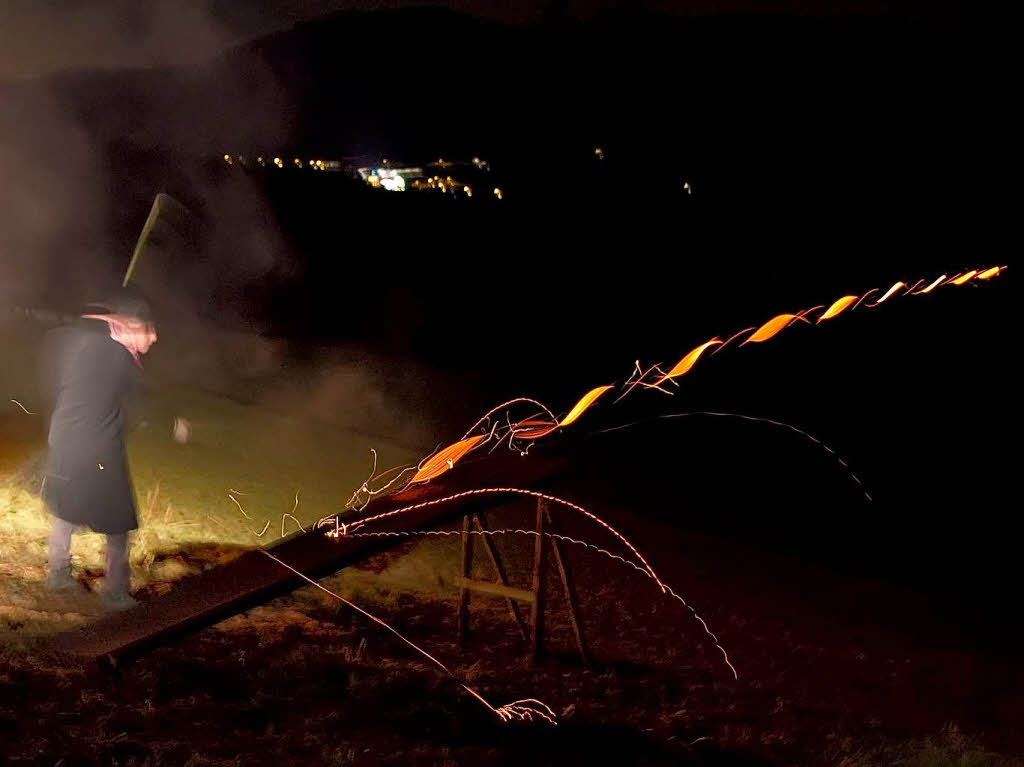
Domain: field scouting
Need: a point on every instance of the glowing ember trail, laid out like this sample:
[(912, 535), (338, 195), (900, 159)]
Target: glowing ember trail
[(533, 429), (930, 288), (864, 297), (730, 339), (889, 293), (443, 460), (524, 400), (964, 278), (837, 308), (520, 432), (683, 366), (530, 429), (771, 328), (990, 272), (587, 400)]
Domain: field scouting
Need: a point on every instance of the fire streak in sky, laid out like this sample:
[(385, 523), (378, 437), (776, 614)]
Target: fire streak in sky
[(521, 433)]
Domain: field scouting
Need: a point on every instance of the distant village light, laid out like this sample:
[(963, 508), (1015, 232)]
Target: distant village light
[(278, 162), (497, 192), (227, 159), (392, 182)]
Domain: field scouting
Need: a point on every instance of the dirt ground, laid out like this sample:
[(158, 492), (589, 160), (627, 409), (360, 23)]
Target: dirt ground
[(832, 670)]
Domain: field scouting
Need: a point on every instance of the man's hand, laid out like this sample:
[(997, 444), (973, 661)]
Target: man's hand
[(182, 430)]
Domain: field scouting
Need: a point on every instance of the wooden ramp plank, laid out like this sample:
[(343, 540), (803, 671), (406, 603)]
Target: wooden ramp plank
[(253, 578)]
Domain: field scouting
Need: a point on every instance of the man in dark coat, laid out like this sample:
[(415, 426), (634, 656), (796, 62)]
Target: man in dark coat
[(88, 369)]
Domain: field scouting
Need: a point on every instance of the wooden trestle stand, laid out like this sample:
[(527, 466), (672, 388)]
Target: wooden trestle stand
[(513, 596)]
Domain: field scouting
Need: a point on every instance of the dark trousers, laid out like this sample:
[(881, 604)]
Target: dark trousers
[(117, 555)]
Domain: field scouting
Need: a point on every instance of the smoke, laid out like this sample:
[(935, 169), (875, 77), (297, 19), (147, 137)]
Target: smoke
[(82, 156), (45, 36), (56, 192), (52, 201)]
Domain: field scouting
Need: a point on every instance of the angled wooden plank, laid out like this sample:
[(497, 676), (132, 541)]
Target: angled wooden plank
[(254, 579), (499, 590)]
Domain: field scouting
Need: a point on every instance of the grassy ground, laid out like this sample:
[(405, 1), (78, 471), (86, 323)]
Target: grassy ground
[(266, 459)]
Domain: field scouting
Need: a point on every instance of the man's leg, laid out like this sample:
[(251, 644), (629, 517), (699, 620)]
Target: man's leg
[(60, 578), (117, 564)]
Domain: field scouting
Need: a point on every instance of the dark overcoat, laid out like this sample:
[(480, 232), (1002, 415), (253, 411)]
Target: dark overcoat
[(87, 376)]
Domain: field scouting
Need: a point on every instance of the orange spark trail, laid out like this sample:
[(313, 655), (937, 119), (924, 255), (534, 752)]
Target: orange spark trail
[(990, 272), (770, 329), (803, 315), (911, 288), (437, 464), (889, 292), (638, 378), (861, 299), (930, 288), (683, 366), (730, 339), (442, 461), (533, 429), (965, 278), (837, 308), (585, 402), (515, 401), (518, 431)]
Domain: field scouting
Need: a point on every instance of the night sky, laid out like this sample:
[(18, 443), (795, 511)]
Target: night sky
[(42, 37)]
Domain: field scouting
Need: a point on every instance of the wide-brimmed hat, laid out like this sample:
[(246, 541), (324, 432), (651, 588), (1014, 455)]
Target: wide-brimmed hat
[(125, 302)]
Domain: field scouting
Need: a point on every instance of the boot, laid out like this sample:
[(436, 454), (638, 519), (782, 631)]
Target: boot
[(117, 600), (60, 581)]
